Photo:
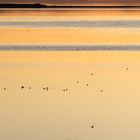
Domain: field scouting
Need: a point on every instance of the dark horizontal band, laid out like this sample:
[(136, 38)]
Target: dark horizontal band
[(69, 47)]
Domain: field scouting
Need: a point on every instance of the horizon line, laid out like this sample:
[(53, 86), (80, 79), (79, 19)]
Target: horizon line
[(43, 5)]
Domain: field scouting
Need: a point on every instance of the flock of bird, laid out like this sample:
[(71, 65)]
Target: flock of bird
[(64, 90), (47, 88), (22, 87)]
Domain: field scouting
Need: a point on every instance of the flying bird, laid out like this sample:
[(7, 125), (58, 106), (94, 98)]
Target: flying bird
[(22, 87)]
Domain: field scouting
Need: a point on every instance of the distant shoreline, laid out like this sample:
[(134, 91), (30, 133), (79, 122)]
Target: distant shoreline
[(38, 5)]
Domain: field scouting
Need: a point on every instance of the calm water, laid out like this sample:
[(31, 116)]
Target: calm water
[(110, 101), (85, 88), (70, 27)]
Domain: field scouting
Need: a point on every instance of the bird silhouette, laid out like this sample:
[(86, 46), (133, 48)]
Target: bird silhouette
[(46, 88), (92, 126), (77, 82), (22, 87)]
